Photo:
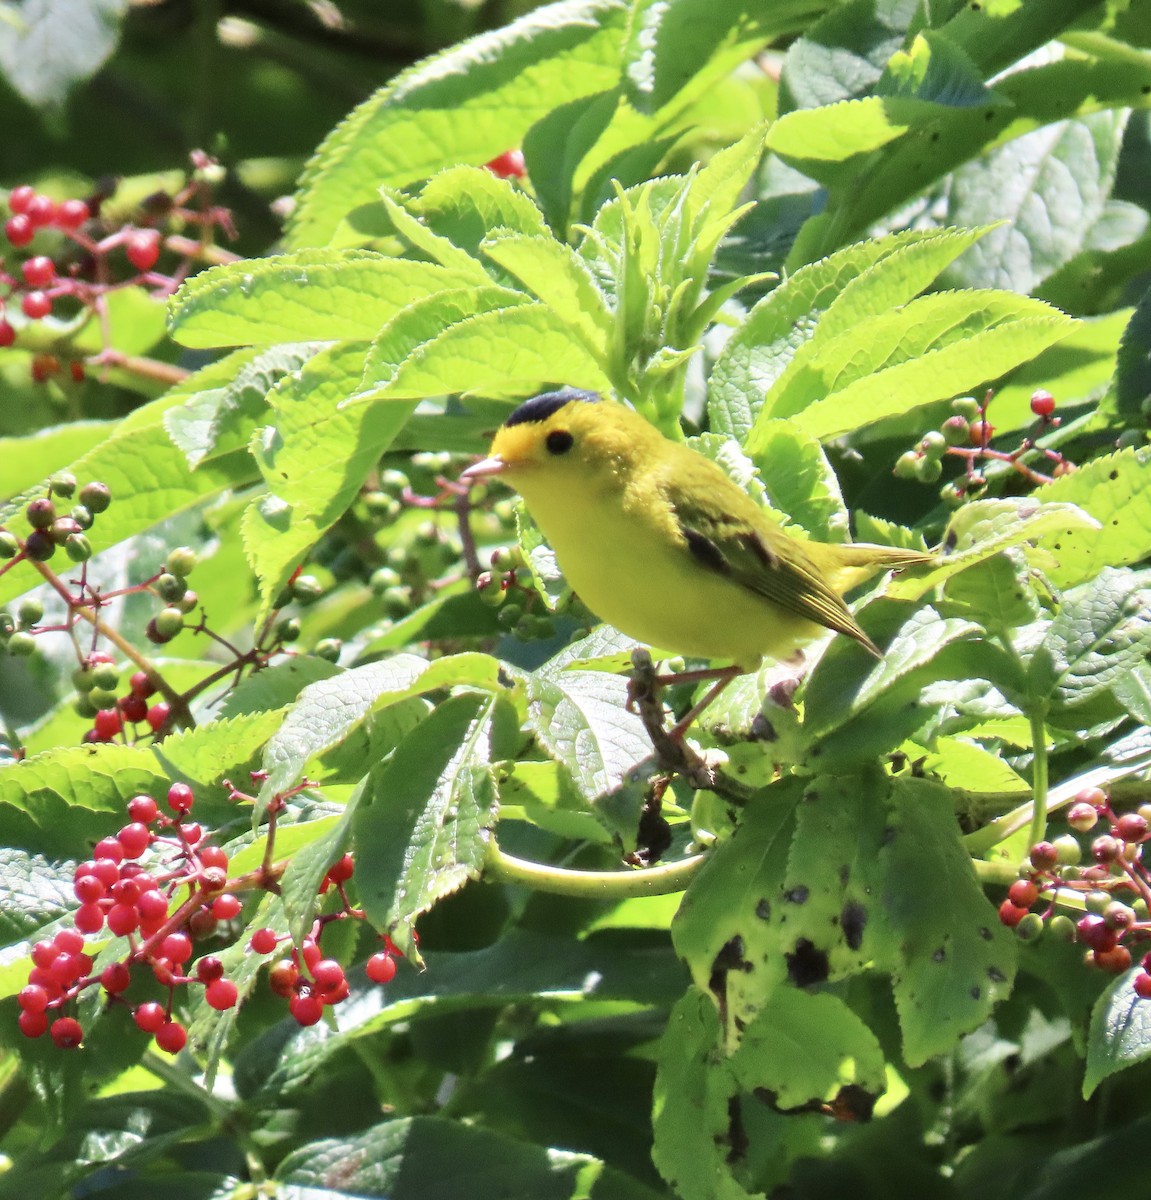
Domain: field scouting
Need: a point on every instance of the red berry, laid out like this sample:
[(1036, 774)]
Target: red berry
[(141, 685), (1142, 986), (7, 334), (310, 953), (44, 366), (41, 210), (32, 998), (122, 919), (180, 797), (44, 978), (1131, 827), (980, 432), (68, 941), (1023, 893), (1042, 403), (153, 906), (381, 968), (19, 229), (328, 974), (1094, 796), (43, 954), (191, 833), (165, 971), (143, 249), (115, 978), (143, 809), (177, 947), (1106, 849), (226, 907), (1096, 933), (1116, 960), (38, 271), (107, 723), (339, 993), (88, 889), (342, 870), (171, 1037), (20, 197), (66, 1033), (208, 968), (306, 1008), (202, 924), (221, 994), (509, 165), (36, 305), (264, 941), (107, 870), (109, 848), (158, 716), (33, 1024), (283, 977), (213, 856), (89, 918), (71, 214), (1011, 914), (133, 709), (67, 968), (150, 1016), (135, 838)]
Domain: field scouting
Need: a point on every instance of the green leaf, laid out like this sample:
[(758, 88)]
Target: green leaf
[(1102, 631), (806, 1050), (226, 400), (276, 686), (48, 46), (314, 459), (422, 831), (951, 962), (1048, 187), (864, 279), (466, 104), (29, 460), (800, 481), (930, 349), (62, 801), (1114, 489), (327, 711), (211, 750), (580, 718), (1120, 1033), (432, 1158), (331, 296), (1132, 386), (998, 594), (33, 893)]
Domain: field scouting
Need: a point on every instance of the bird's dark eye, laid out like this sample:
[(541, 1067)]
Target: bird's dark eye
[(559, 441)]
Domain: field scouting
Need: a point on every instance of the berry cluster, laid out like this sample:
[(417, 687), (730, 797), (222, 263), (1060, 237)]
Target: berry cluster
[(967, 434), (1113, 892), (514, 596), (85, 256), (162, 907), (52, 530), (96, 680)]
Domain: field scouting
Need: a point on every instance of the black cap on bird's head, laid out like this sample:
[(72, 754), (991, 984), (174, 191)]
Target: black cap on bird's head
[(540, 407)]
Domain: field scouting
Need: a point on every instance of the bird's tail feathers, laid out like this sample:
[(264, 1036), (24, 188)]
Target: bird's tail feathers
[(851, 565)]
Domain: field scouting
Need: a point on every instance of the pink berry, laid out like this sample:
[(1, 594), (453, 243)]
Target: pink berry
[(141, 685), (1042, 403), (107, 870), (171, 1037), (1131, 827), (36, 305), (143, 249), (88, 889), (20, 197), (221, 994), (150, 1016), (41, 210), (180, 797), (68, 941), (19, 229), (38, 271), (508, 165), (135, 838), (7, 334), (133, 709), (310, 953), (381, 968), (71, 214), (158, 716), (66, 1033), (89, 918), (1142, 986), (143, 809), (125, 891), (152, 906), (108, 848), (213, 856), (107, 723)]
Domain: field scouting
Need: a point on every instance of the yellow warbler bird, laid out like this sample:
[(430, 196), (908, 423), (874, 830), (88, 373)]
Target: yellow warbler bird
[(660, 542)]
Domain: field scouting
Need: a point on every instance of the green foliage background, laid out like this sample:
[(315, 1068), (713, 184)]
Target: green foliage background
[(798, 230)]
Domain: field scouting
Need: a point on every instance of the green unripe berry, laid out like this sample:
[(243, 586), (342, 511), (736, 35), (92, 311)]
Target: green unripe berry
[(78, 548), (329, 648), (394, 481), (107, 676), (40, 513), (1097, 902), (929, 469), (21, 644), (170, 587), (1068, 852), (9, 546), (169, 622), (436, 461), (1062, 927), (63, 485), (504, 511), (509, 616), (1029, 928), (30, 612), (907, 465), (102, 698), (307, 589), (187, 601), (955, 430), (84, 679), (82, 516), (95, 497), (181, 561), (397, 601), (507, 559), (933, 444), (965, 407), (383, 579), (382, 507), (7, 625), (491, 589), (82, 706), (288, 630), (427, 533)]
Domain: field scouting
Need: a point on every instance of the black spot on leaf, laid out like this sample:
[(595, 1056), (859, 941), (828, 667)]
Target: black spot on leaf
[(807, 964), (853, 920)]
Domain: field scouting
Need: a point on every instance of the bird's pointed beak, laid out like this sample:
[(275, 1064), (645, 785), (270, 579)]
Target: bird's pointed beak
[(484, 468)]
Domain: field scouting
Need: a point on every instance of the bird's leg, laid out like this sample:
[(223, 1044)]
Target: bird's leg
[(722, 676), (645, 686)]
